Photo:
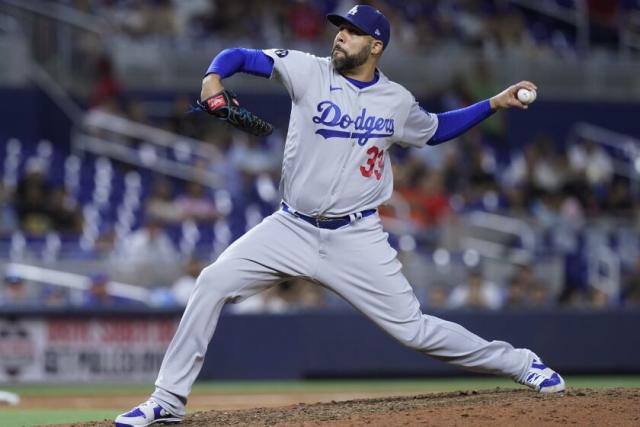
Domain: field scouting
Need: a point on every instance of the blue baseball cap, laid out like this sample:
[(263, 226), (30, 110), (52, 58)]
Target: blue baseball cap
[(368, 20)]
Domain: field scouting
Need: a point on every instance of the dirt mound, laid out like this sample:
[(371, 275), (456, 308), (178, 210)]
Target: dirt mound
[(495, 408)]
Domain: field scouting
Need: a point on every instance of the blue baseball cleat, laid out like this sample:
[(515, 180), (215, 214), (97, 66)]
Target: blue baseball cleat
[(149, 412), (542, 378)]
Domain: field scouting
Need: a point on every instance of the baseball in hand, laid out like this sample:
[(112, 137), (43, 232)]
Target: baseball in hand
[(526, 96)]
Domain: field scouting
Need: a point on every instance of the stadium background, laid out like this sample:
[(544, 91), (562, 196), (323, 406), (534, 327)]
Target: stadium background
[(112, 198)]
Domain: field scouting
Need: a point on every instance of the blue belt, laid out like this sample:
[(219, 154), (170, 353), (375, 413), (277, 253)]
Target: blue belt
[(331, 223)]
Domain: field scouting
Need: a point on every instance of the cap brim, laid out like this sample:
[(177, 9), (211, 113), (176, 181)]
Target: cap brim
[(338, 20)]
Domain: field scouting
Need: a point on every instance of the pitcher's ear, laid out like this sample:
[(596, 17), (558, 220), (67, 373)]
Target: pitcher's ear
[(377, 47)]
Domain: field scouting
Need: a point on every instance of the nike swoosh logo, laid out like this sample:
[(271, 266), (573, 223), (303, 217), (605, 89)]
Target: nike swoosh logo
[(331, 88)]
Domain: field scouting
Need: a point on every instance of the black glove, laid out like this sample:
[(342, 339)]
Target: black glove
[(225, 106)]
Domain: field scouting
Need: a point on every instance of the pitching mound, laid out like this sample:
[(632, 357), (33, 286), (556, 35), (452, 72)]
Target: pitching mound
[(580, 407)]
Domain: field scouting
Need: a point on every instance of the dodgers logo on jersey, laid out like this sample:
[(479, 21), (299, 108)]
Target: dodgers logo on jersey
[(331, 116)]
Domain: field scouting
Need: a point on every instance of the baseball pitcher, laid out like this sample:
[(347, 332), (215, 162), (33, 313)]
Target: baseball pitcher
[(345, 115)]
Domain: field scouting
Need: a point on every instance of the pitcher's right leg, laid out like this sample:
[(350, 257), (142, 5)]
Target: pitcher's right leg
[(222, 281), (278, 247)]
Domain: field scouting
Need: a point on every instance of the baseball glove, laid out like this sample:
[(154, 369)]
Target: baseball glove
[(225, 106)]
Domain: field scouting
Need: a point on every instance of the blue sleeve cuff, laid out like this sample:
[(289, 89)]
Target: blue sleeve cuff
[(251, 61), (454, 123)]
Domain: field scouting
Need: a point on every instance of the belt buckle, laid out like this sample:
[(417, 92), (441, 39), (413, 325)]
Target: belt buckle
[(322, 219)]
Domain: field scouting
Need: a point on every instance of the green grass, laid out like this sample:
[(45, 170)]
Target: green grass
[(14, 416), (34, 417)]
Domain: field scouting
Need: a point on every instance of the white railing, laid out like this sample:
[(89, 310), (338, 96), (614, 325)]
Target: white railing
[(503, 230), (76, 282), (165, 152)]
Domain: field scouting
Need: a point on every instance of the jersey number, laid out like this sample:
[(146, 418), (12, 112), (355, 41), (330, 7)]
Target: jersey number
[(375, 163)]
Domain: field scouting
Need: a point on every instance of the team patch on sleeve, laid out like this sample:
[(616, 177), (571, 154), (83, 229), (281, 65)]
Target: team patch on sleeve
[(282, 53)]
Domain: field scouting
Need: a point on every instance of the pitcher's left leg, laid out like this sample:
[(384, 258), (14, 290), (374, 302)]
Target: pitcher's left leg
[(362, 267)]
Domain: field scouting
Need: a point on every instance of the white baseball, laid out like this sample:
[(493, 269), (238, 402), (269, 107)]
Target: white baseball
[(526, 96)]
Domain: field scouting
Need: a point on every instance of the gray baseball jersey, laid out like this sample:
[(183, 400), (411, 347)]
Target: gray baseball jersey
[(335, 159)]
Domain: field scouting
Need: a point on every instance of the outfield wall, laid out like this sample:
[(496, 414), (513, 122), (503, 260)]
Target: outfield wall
[(127, 346)]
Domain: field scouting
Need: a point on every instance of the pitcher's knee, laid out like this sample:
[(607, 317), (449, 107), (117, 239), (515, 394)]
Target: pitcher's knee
[(413, 334), (220, 278)]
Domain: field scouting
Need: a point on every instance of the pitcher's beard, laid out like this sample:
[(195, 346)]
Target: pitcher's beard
[(346, 62)]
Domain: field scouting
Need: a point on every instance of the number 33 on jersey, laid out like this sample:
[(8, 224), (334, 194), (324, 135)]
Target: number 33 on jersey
[(375, 163)]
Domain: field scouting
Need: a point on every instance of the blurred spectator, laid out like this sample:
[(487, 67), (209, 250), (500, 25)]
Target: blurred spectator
[(301, 294), (268, 301), (426, 197), (182, 287), (508, 29), (292, 295), (8, 217), (161, 203), (600, 299), (525, 290), (32, 190), (190, 14), (160, 19), (517, 294), (147, 256), (42, 209), (631, 286), (55, 296), (539, 167), (195, 204), (305, 20), (136, 112), (539, 295), (16, 292), (184, 124), (476, 293), (252, 156), (63, 211), (592, 162), (620, 201), (437, 296), (106, 88)]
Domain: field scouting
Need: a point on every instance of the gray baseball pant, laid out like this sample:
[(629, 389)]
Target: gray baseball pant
[(355, 261)]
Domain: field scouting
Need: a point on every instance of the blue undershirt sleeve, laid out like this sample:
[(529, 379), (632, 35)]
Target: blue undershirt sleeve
[(251, 61), (454, 123)]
